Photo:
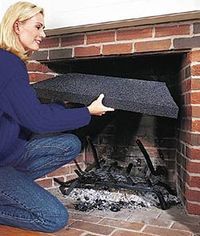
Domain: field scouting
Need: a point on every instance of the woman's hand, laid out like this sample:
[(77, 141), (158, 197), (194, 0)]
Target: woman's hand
[(97, 108)]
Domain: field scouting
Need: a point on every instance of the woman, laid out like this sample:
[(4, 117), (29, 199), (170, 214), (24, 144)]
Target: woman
[(23, 203)]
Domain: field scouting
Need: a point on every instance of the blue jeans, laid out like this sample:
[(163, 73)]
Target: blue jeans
[(25, 204)]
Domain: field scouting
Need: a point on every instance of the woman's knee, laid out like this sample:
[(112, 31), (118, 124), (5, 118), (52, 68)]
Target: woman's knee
[(55, 218), (74, 144), (60, 220)]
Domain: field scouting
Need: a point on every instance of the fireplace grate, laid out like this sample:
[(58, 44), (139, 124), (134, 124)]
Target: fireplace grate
[(103, 176)]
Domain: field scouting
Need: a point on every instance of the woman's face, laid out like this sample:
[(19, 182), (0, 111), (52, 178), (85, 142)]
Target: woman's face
[(30, 32)]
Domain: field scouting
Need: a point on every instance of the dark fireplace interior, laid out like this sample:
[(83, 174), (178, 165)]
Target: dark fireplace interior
[(114, 135)]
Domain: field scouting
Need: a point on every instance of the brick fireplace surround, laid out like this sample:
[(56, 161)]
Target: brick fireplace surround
[(161, 35)]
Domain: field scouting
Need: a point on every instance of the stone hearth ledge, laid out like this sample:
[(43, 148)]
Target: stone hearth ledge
[(142, 21)]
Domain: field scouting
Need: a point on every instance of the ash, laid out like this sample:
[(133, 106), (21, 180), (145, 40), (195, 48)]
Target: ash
[(89, 199), (106, 185)]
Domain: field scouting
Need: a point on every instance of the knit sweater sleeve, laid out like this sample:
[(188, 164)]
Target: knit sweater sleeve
[(21, 103)]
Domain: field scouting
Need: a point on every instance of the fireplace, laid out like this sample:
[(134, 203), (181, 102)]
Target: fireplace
[(158, 49)]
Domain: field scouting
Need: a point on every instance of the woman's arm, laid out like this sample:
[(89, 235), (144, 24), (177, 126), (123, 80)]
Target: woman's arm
[(20, 102)]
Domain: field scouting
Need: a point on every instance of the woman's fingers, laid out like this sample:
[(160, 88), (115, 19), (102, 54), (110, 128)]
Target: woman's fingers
[(109, 108), (97, 107), (100, 99)]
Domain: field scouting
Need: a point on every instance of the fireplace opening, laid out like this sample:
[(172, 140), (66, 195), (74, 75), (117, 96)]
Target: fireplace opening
[(115, 135)]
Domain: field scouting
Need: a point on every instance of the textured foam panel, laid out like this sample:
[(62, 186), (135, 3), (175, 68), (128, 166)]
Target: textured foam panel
[(148, 97)]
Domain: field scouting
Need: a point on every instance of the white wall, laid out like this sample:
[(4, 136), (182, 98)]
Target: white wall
[(64, 13)]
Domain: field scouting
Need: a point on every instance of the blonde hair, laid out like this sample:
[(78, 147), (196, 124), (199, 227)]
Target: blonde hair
[(20, 11)]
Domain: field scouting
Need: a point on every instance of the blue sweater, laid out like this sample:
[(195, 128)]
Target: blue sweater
[(21, 110)]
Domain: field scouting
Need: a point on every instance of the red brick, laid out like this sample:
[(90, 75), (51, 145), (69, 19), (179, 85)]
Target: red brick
[(66, 232), (60, 53), (130, 34), (45, 183), (13, 231), (121, 224), (194, 139), (128, 233), (187, 98), (35, 77), (38, 67), (72, 40), (94, 228), (62, 179), (192, 195), (85, 217), (181, 160), (73, 167), (80, 157), (172, 30), (148, 46), (186, 60), (165, 232), (195, 70), (64, 170), (194, 56), (186, 85), (181, 186), (86, 51), (195, 84), (193, 167), (193, 181), (71, 176), (193, 153), (186, 42), (187, 112), (195, 125), (100, 37), (187, 72), (196, 27), (193, 208), (40, 56), (49, 43), (195, 97), (117, 49), (195, 228), (186, 124)]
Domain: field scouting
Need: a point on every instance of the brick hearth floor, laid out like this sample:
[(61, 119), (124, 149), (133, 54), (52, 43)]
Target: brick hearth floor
[(172, 222)]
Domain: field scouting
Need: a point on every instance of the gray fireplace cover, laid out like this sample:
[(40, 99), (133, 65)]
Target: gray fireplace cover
[(148, 97)]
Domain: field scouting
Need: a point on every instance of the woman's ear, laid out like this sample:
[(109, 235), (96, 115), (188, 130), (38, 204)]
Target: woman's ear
[(16, 27)]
